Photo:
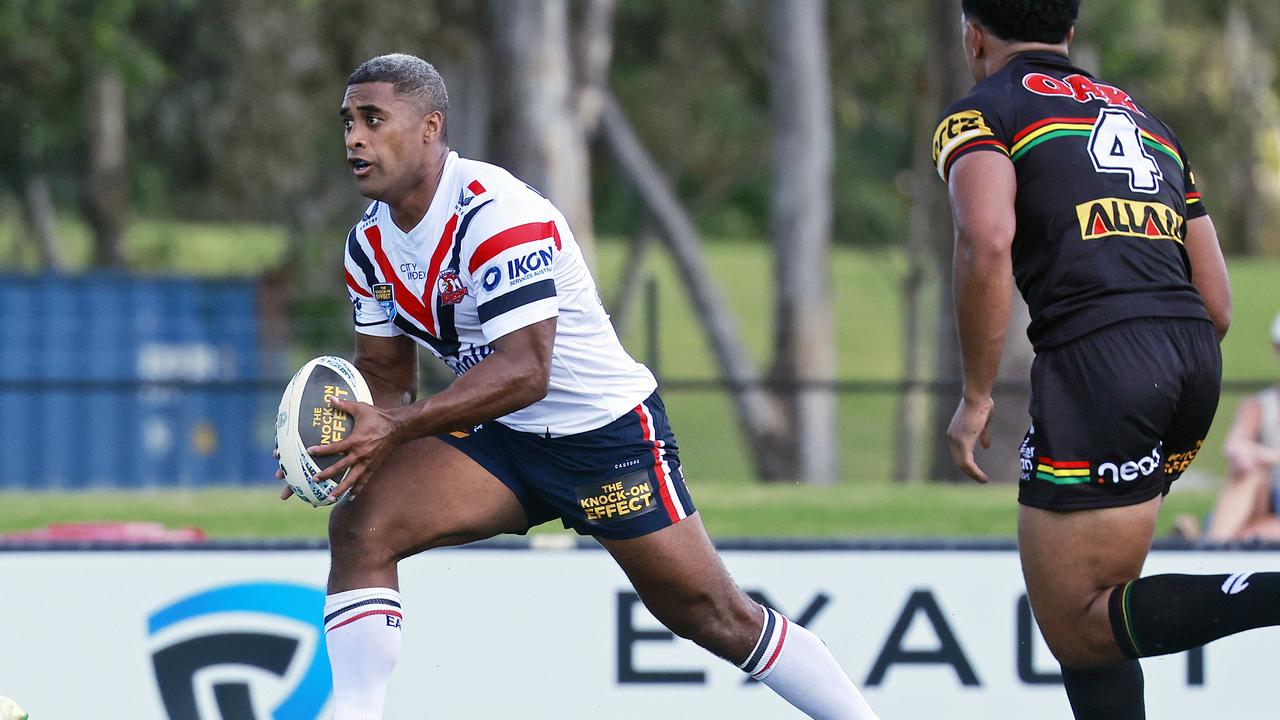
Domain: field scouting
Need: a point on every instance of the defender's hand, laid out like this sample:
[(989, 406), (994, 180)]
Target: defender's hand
[(970, 425), (374, 437)]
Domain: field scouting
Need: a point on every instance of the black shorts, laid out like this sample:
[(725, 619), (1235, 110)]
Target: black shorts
[(1119, 414), (619, 481)]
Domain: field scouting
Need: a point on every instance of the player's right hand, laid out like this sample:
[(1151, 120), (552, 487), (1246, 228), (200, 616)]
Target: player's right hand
[(969, 426)]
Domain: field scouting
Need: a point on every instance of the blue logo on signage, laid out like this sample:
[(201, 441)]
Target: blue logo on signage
[(177, 664)]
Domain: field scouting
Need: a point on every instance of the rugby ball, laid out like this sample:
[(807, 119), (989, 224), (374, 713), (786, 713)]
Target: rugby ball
[(306, 420)]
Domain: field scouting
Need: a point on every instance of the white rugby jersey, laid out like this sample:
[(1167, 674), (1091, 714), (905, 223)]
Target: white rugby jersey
[(492, 256)]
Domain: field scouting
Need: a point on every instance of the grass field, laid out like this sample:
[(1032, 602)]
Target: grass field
[(730, 510), (869, 344)]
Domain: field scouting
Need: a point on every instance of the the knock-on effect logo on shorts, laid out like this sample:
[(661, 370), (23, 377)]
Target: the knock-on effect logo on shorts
[(253, 651)]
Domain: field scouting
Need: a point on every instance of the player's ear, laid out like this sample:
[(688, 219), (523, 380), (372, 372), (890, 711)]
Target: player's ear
[(432, 126), (1071, 34), (973, 40)]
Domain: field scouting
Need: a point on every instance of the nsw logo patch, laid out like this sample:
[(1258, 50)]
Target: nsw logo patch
[(385, 295)]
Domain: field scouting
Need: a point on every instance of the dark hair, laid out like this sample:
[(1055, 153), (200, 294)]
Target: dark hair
[(411, 76), (1042, 21)]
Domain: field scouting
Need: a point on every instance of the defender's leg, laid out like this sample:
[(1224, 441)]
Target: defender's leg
[(1071, 562)]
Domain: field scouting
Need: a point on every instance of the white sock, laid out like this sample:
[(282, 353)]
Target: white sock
[(794, 663), (362, 632)]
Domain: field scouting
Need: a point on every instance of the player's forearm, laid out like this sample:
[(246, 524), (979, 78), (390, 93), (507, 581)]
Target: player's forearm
[(386, 394), (983, 293), (502, 384)]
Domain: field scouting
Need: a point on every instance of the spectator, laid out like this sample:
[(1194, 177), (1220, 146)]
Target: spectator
[(1249, 506)]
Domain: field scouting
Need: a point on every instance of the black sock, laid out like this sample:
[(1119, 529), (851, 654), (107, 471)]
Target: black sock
[(1165, 614), (1113, 692)]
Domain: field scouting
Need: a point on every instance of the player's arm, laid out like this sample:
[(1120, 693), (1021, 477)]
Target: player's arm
[(1209, 271), (983, 187), (1244, 453), (390, 367), (514, 376)]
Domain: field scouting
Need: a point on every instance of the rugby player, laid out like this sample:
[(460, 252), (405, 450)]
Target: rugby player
[(1067, 185), (548, 418)]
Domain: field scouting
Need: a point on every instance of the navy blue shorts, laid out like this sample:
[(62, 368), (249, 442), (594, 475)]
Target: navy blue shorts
[(1119, 414), (619, 481)]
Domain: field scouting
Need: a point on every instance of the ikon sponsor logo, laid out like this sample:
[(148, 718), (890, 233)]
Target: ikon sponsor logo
[(535, 263), (1081, 89), (492, 277)]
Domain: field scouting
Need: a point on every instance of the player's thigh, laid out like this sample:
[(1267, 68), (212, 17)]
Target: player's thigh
[(1070, 560), (426, 494), (681, 579)]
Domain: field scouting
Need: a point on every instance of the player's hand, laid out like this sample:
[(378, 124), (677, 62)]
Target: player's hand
[(375, 435), (287, 492), (970, 426)]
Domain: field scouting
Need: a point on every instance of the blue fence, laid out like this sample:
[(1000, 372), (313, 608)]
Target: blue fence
[(117, 381)]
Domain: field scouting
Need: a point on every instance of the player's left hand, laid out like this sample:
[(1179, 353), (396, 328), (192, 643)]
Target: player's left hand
[(364, 449), (969, 426)]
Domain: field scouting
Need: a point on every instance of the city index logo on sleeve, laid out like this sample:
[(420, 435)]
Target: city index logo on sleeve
[(1114, 217), (624, 497)]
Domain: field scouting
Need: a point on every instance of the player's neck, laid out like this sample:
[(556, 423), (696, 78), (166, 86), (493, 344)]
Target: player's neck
[(1000, 55), (408, 211)]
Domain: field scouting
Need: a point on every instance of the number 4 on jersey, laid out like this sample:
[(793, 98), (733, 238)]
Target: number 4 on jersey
[(1116, 147)]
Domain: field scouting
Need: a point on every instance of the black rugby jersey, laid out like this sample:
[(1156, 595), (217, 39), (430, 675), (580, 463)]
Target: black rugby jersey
[(1103, 197)]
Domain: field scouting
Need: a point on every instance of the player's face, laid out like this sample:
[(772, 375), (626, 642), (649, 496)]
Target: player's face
[(387, 149)]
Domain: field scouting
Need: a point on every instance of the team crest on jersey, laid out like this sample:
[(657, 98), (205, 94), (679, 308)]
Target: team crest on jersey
[(385, 295), (451, 288)]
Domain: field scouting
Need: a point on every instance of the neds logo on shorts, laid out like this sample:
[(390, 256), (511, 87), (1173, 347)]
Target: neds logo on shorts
[(252, 651), (1131, 470)]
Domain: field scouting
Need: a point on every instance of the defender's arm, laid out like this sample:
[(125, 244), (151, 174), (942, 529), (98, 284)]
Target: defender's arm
[(983, 187), (1209, 272)]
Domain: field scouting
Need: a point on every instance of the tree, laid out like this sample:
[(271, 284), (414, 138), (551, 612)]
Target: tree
[(543, 112), (790, 425), (800, 228)]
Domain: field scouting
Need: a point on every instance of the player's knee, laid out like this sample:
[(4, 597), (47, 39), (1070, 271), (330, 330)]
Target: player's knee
[(1087, 648), (1084, 641), (713, 620)]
